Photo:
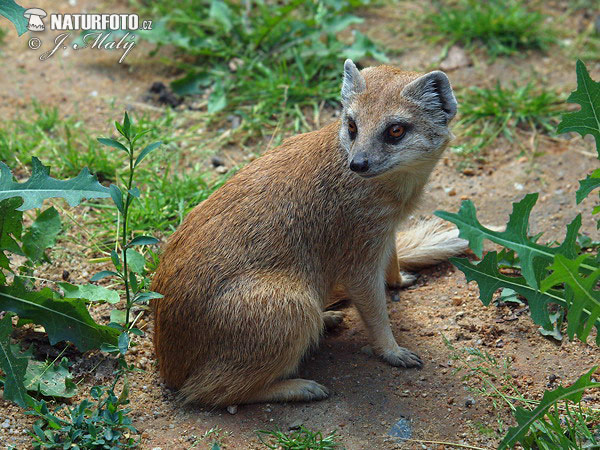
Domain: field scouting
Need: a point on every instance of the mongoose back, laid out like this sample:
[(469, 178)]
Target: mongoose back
[(248, 274)]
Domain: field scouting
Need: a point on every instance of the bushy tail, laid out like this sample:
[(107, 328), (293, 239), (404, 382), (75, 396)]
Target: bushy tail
[(429, 242)]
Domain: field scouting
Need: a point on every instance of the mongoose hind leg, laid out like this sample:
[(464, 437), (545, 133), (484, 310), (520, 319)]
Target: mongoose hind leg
[(292, 390)]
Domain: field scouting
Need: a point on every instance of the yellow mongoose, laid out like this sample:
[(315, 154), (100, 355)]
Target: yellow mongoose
[(248, 274)]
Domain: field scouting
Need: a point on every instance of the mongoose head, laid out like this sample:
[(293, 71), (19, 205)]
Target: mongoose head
[(394, 121)]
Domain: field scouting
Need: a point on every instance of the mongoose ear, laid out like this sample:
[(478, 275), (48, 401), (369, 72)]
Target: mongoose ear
[(354, 83), (433, 93)]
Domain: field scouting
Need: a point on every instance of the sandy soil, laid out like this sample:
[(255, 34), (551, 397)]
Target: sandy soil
[(368, 397)]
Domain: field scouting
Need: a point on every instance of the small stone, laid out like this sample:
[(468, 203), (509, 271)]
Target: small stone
[(295, 425), (221, 169), (457, 301), (216, 161), (469, 171), (455, 59), (171, 426), (6, 423), (452, 192), (470, 401), (232, 409)]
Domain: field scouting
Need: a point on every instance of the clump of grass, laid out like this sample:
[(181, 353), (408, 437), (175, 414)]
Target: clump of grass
[(566, 425), (61, 143), (302, 439), (502, 26), (261, 61), (487, 113)]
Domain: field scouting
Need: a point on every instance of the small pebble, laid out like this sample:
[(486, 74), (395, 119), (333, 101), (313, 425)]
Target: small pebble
[(232, 409), (469, 402)]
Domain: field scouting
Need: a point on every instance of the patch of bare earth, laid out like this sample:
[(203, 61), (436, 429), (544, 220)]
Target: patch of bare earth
[(368, 396)]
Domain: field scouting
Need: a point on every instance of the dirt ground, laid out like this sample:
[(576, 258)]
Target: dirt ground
[(368, 396)]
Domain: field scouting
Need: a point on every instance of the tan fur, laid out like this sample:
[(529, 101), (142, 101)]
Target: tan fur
[(248, 274)]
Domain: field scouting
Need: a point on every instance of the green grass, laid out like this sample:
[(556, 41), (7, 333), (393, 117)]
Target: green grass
[(169, 190), (567, 425), (488, 113), (63, 144), (502, 26), (303, 439), (267, 63)]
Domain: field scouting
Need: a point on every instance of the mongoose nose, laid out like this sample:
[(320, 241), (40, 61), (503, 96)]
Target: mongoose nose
[(359, 163)]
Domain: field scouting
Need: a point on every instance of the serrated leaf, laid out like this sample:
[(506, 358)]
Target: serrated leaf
[(489, 280), (41, 186), (514, 237), (584, 302), (143, 240), (11, 228), (14, 12), (51, 380), (586, 186), (587, 119), (41, 234), (63, 319), (526, 418), (90, 292), (14, 367), (135, 261), (113, 143), (146, 151), (117, 197)]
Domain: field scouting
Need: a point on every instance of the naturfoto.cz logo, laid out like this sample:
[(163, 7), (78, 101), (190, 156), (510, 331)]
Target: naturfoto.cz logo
[(98, 31)]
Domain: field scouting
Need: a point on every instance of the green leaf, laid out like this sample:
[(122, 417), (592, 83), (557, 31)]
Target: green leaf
[(587, 119), (51, 380), (113, 143), (143, 240), (489, 279), (14, 13), (103, 274), (118, 316), (584, 303), (135, 261), (514, 237), (217, 99), (42, 234), (588, 185), (41, 186), (123, 343), (117, 197), (146, 151), (143, 297), (63, 319), (220, 12), (90, 292), (14, 367), (11, 227), (126, 125), (526, 418)]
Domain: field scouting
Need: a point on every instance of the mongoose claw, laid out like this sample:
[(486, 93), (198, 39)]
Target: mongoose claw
[(316, 391), (408, 279), (332, 319), (402, 358)]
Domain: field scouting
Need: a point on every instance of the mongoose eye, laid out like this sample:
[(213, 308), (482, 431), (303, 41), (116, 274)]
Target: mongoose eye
[(352, 128), (395, 131)]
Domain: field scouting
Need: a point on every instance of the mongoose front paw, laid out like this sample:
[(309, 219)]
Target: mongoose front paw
[(402, 358), (332, 319)]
